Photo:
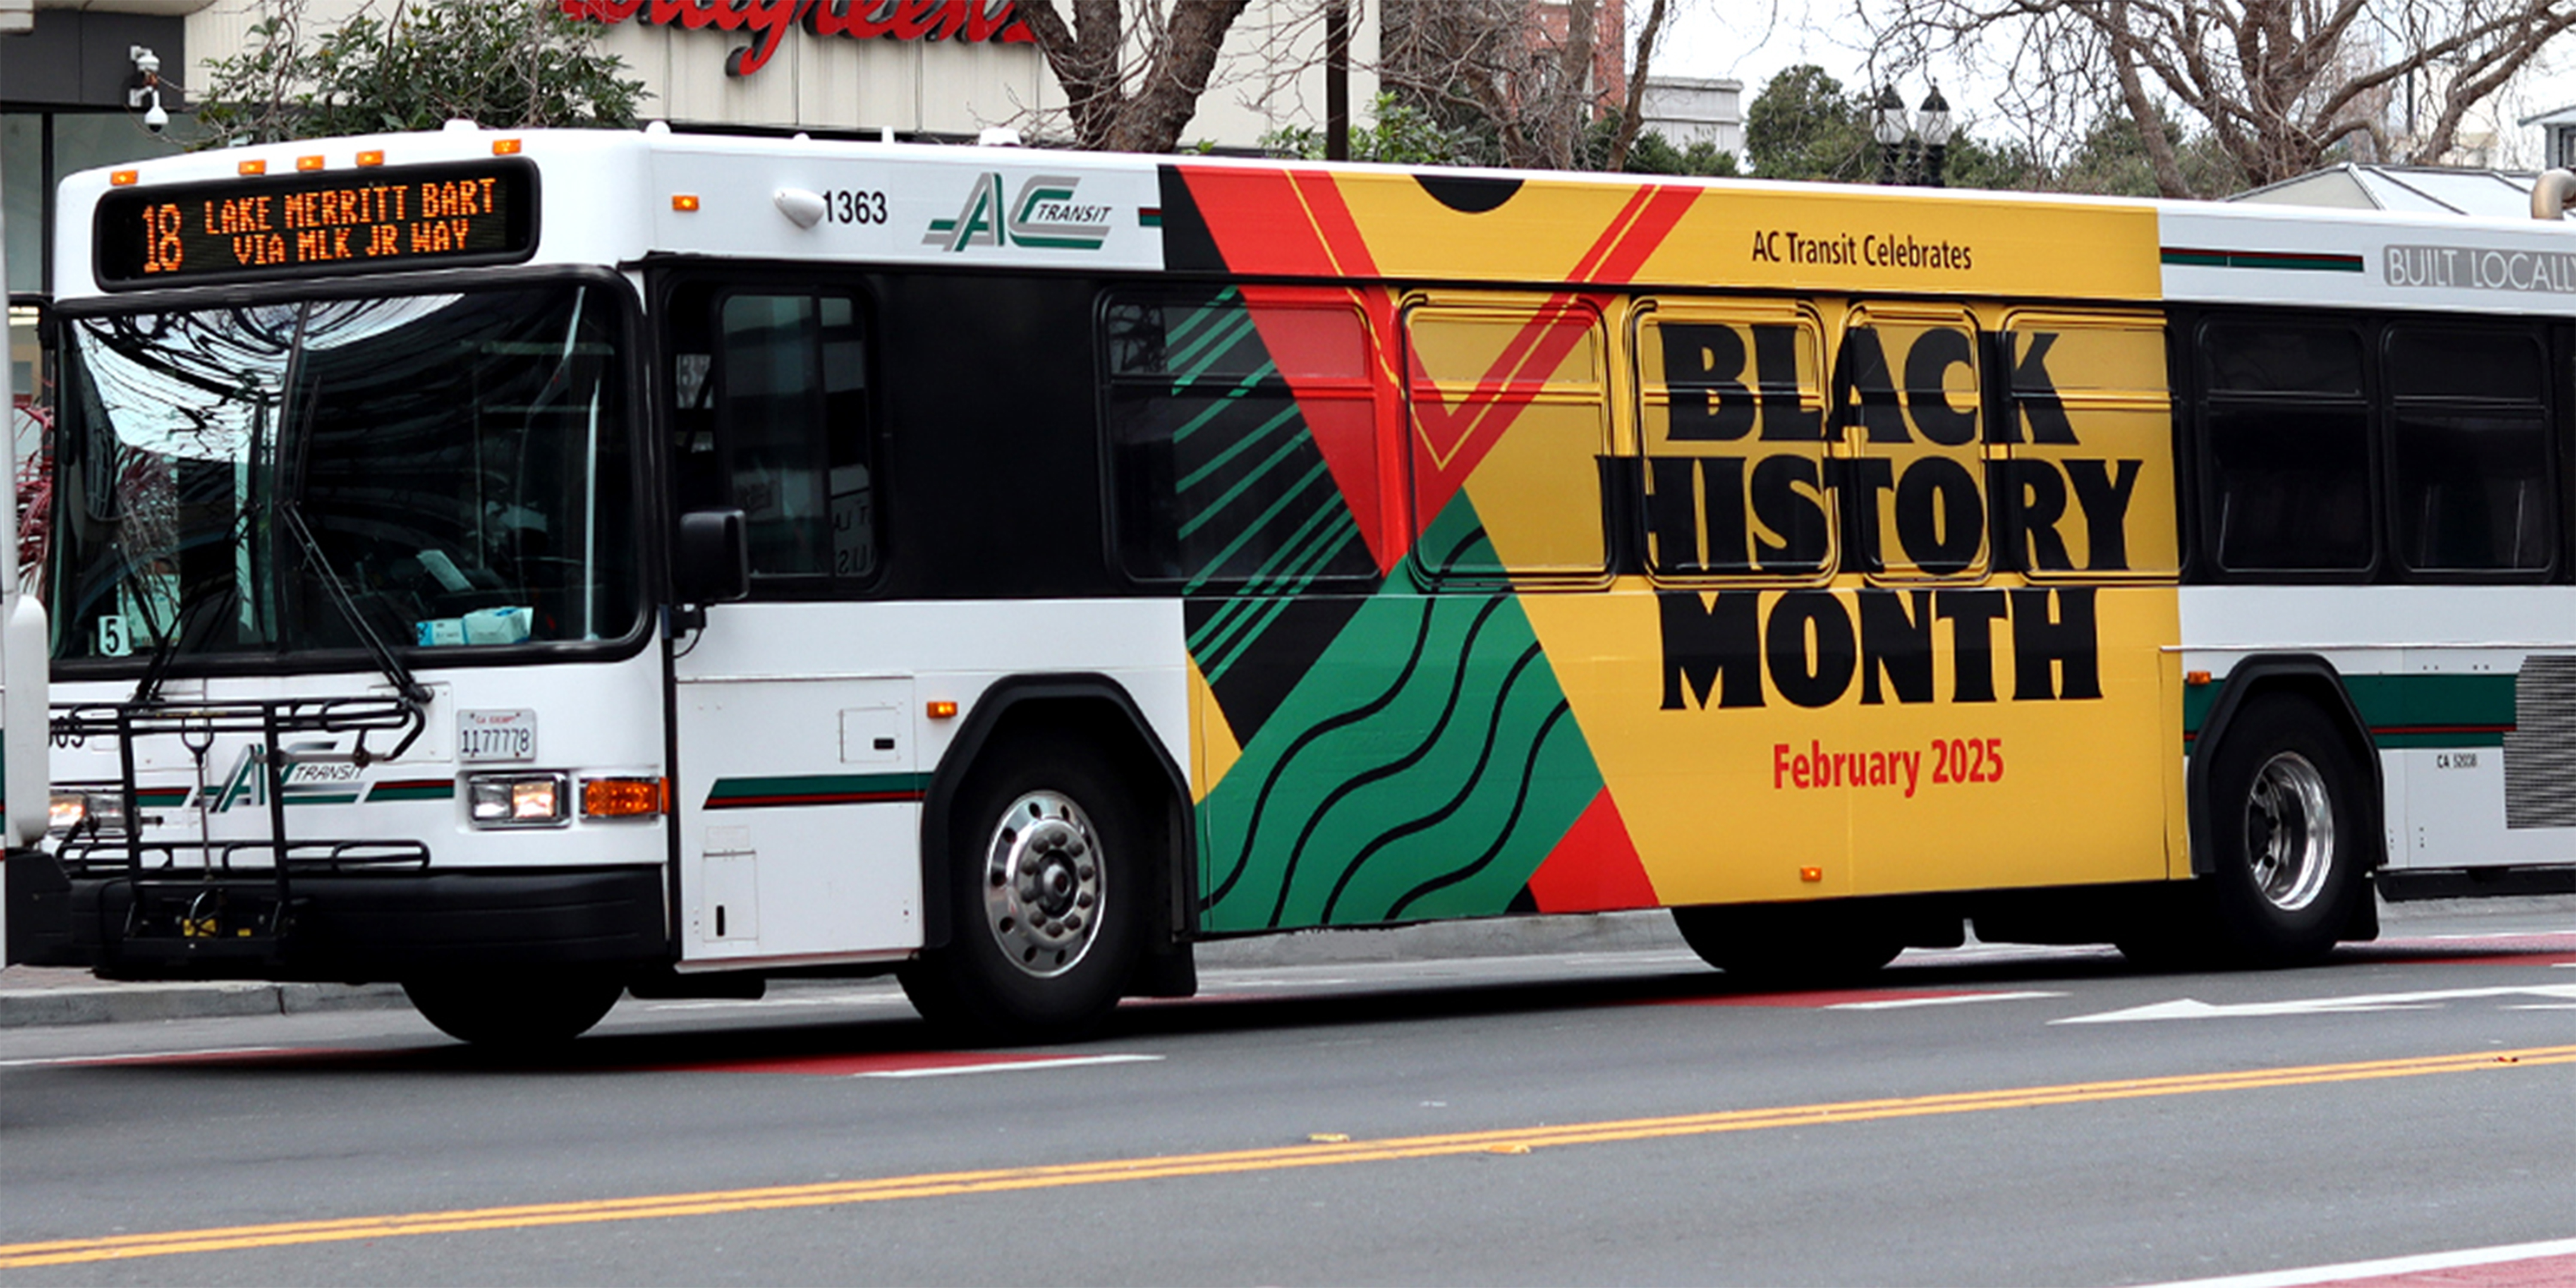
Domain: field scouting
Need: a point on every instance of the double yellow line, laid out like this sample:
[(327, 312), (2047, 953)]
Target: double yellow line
[(1328, 1153)]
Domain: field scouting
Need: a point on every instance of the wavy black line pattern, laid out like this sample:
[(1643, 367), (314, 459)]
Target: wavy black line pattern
[(1511, 824), (1379, 773), (1425, 822), (1322, 728)]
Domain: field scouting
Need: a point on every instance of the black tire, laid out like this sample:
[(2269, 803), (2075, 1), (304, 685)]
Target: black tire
[(514, 1012), (2290, 832), (1043, 951), (1790, 944)]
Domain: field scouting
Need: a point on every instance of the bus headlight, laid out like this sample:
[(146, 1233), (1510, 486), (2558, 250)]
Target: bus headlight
[(94, 811), (518, 800)]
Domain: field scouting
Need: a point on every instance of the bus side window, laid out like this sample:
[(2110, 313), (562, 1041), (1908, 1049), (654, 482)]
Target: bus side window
[(2285, 441), (1732, 411), (1241, 441), (2469, 455), (2086, 483), (1508, 417), (790, 401), (1909, 392)]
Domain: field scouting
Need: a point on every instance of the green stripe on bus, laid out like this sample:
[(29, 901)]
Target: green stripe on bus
[(2294, 262), (815, 789), (2405, 712)]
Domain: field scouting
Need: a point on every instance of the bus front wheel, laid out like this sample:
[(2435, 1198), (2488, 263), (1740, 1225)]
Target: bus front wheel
[(2288, 829), (514, 1012), (1046, 892)]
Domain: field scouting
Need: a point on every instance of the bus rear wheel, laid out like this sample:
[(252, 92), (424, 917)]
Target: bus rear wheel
[(1789, 944), (1046, 895), (514, 1012), (2289, 831)]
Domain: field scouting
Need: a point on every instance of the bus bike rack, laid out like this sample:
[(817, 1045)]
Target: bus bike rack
[(212, 907)]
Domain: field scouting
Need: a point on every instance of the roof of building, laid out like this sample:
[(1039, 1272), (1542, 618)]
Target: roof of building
[(2404, 189)]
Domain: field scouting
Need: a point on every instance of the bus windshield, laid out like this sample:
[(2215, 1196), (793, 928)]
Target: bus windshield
[(442, 472)]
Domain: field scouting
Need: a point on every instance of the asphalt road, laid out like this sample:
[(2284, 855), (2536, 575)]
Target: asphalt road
[(1985, 1115)]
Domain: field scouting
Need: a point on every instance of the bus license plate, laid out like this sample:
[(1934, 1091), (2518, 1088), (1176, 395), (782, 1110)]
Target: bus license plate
[(496, 735)]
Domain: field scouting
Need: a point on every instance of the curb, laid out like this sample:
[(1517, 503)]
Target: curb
[(97, 1003)]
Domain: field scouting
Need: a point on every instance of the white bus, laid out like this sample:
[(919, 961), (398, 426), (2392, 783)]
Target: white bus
[(532, 566)]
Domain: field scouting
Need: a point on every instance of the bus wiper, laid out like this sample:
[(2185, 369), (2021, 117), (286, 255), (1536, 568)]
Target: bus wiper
[(195, 622), (392, 666)]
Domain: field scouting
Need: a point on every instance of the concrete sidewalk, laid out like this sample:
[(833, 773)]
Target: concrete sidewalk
[(35, 995)]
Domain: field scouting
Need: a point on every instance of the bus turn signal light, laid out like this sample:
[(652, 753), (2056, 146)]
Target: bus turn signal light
[(683, 202), (1811, 874), (2195, 678), (942, 709), (622, 797)]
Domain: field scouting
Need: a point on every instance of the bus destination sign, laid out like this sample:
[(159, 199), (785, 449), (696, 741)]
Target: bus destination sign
[(309, 224)]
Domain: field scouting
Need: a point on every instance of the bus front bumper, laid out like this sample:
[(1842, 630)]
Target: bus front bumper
[(346, 927)]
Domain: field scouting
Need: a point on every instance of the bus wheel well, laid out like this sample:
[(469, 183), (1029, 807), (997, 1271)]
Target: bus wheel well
[(2312, 680), (1095, 713)]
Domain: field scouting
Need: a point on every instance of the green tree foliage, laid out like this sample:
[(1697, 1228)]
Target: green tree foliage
[(1652, 153), (2113, 162), (1972, 162), (1402, 134), (1804, 126), (506, 65)]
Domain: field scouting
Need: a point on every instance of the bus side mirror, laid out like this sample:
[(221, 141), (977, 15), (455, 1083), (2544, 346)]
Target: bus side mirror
[(712, 562)]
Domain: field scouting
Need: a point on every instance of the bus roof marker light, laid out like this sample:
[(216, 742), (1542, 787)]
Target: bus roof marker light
[(247, 169), (124, 178), (684, 202), (371, 157), (505, 147), (308, 163)]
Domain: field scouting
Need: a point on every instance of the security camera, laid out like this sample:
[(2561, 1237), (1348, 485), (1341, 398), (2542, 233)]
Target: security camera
[(144, 89)]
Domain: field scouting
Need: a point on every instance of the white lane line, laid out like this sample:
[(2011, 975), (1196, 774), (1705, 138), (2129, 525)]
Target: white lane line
[(1008, 1066), (142, 1057), (1954, 999), (2190, 1008), (2385, 1266)]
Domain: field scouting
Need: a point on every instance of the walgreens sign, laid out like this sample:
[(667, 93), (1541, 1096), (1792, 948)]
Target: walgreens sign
[(767, 21)]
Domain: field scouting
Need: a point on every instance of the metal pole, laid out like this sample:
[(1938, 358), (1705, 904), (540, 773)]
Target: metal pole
[(1337, 80)]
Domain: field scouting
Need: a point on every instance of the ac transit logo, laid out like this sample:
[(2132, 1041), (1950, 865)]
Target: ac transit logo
[(1043, 215), (327, 782)]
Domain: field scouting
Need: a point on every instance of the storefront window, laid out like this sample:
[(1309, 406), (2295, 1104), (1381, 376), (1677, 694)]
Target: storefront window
[(81, 141), (22, 187)]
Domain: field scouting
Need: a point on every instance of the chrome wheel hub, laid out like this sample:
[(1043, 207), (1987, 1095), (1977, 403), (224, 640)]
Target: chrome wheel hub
[(1044, 884), (2289, 831)]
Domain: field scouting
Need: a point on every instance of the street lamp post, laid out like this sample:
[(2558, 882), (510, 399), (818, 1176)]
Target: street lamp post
[(1933, 127), (1891, 128), (1911, 149)]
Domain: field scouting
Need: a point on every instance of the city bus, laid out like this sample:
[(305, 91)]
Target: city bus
[(539, 566)]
